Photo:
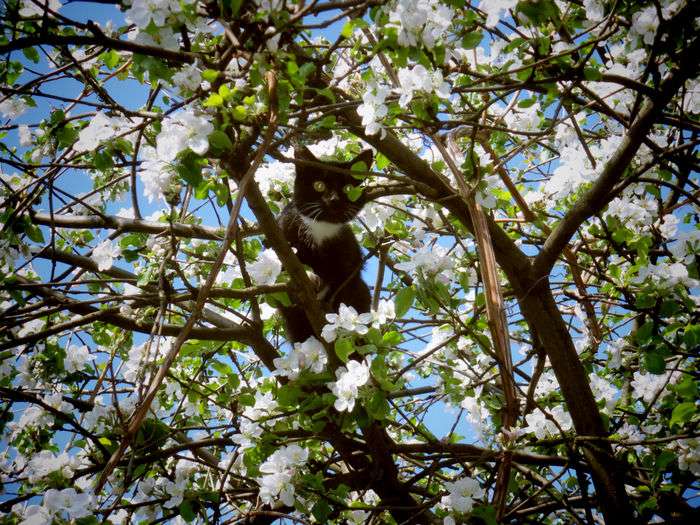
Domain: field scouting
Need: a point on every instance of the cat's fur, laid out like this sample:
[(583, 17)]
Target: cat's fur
[(316, 224)]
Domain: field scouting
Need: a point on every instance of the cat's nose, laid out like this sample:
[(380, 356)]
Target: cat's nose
[(331, 198)]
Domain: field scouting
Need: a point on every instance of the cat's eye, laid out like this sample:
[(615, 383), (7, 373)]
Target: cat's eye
[(319, 185), (348, 188)]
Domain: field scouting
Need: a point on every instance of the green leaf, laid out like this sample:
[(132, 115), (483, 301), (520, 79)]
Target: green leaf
[(343, 348), (687, 388), (643, 334), (354, 193), (214, 100), (239, 112), (691, 336), (347, 30), (592, 73), (683, 413), (392, 338), (663, 460), (186, 511), (225, 92), (220, 141), (487, 514), (110, 58), (321, 510), (220, 367), (34, 233), (526, 103), (654, 362), (102, 160), (292, 68), (381, 161), (31, 53), (378, 406), (404, 300), (279, 298), (210, 75), (471, 40), (645, 301), (306, 69)]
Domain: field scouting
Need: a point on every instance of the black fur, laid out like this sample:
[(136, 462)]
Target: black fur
[(337, 261)]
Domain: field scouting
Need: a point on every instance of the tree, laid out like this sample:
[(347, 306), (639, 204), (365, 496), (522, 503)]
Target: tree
[(531, 229)]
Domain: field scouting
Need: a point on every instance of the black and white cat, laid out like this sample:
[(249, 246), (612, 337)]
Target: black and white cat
[(316, 224)]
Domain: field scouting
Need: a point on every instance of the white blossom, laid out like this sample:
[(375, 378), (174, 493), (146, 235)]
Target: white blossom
[(309, 355), (385, 311), (278, 470), (76, 358), (665, 275), (429, 260), (495, 10), (668, 226), (373, 109), (31, 9), (689, 455), (36, 515), (181, 131), (649, 386), (595, 10), (543, 427), (461, 494), (418, 78), (266, 269), (45, 462), (25, 135), (188, 78), (425, 21), (349, 379), (645, 23), (143, 12), (104, 254), (346, 319), (155, 174), (100, 129), (12, 107), (76, 504)]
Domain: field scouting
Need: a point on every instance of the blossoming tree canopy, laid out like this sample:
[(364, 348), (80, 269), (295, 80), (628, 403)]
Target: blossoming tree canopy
[(530, 232)]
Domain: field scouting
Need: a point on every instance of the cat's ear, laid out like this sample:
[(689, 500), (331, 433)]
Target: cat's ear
[(365, 156), (301, 152)]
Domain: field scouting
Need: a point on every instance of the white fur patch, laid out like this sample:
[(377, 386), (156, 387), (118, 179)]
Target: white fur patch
[(321, 231)]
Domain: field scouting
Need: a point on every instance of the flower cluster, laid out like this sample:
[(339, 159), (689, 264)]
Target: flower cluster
[(278, 470), (250, 429), (349, 380), (431, 260), (309, 355), (420, 21), (76, 358), (541, 426), (461, 494), (266, 269), (373, 109), (649, 387), (100, 129), (418, 78), (104, 254), (346, 319), (144, 12), (31, 9), (181, 131), (76, 504)]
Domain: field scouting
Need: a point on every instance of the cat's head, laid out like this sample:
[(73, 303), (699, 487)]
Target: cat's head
[(321, 193)]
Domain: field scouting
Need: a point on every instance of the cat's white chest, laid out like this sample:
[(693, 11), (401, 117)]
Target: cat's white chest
[(321, 231)]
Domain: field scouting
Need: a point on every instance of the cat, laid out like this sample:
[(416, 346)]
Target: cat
[(315, 222)]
